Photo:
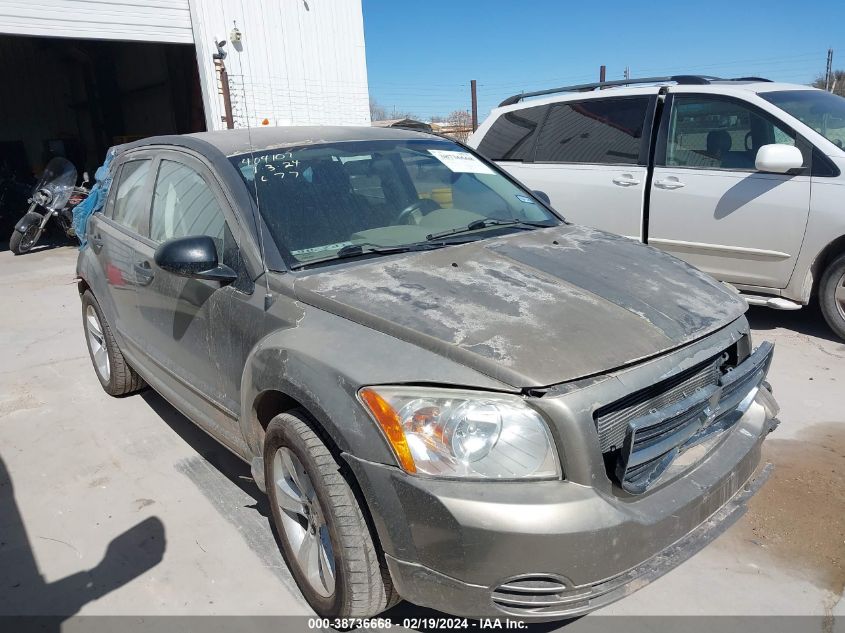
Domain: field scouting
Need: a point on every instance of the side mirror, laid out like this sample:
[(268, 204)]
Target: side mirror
[(778, 159), (543, 196), (194, 256)]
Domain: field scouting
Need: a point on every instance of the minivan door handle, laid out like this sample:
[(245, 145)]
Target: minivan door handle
[(626, 180), (668, 183), (144, 273)]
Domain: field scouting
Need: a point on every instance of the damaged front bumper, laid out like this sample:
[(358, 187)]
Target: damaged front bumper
[(551, 596), (547, 550)]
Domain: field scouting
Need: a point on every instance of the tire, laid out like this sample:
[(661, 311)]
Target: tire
[(832, 295), (113, 372), (21, 243), (361, 584)]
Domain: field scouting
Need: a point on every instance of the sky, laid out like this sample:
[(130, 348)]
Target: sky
[(422, 55)]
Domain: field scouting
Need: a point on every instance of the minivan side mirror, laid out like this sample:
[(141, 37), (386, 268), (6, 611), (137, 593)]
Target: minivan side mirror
[(543, 196), (778, 159), (194, 256)]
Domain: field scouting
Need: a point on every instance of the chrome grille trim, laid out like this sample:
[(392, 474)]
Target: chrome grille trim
[(702, 401), (612, 421)]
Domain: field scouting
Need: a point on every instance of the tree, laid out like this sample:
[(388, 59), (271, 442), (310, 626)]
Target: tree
[(838, 79), (377, 112), (460, 118)]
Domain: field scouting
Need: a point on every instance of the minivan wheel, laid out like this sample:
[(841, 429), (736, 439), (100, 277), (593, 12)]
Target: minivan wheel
[(323, 534), (832, 296), (114, 373)]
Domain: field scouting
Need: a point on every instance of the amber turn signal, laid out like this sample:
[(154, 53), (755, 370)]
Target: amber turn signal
[(388, 419)]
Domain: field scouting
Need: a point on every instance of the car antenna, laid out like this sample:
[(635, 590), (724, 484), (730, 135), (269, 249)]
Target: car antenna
[(268, 296)]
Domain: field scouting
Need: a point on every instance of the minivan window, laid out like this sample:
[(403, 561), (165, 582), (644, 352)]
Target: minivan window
[(184, 204), (822, 111), (130, 206), (597, 131), (509, 138), (712, 133), (319, 199)]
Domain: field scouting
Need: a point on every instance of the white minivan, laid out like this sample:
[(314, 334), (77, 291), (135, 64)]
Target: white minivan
[(742, 178)]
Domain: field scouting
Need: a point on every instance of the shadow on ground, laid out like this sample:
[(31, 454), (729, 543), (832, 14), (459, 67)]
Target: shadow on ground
[(808, 320), (23, 588)]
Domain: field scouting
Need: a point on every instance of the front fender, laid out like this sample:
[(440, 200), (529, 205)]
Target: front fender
[(29, 218), (323, 360)]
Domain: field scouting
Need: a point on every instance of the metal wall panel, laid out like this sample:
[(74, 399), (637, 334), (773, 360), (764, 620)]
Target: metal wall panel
[(134, 20), (300, 62)]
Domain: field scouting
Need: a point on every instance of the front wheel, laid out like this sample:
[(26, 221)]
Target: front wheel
[(21, 243), (324, 537), (832, 295)]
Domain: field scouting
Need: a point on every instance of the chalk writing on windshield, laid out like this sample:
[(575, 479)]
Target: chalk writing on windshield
[(266, 166)]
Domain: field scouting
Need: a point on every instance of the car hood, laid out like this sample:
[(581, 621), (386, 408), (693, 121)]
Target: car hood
[(533, 308)]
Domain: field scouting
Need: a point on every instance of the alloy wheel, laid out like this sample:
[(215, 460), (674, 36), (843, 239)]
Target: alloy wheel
[(304, 522), (97, 342)]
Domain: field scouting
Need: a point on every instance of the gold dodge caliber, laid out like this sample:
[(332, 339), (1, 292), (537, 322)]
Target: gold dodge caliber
[(450, 394)]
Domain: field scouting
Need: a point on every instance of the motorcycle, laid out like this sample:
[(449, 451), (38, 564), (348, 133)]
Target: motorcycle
[(54, 196)]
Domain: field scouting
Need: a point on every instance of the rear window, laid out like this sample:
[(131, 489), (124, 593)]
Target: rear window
[(598, 131), (510, 136)]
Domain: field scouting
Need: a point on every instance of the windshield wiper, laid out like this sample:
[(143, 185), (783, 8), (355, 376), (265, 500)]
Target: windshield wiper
[(485, 223), (360, 250)]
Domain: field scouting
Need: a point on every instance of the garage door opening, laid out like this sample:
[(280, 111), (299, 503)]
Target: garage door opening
[(76, 98)]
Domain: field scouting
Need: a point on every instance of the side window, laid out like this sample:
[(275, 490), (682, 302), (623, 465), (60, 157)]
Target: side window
[(130, 206), (598, 131), (509, 138), (713, 133), (184, 204)]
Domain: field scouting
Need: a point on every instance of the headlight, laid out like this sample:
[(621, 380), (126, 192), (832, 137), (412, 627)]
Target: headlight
[(466, 434)]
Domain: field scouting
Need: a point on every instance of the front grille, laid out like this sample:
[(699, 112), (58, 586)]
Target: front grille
[(612, 420), (642, 433)]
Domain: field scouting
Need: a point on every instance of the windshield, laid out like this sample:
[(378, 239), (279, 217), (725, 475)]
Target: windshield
[(57, 183), (822, 111), (322, 202)]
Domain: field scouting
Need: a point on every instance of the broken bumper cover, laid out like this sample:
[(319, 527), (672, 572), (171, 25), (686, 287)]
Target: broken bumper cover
[(554, 549), (426, 586)]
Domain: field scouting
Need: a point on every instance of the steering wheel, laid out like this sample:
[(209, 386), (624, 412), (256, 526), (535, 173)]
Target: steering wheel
[(749, 141), (423, 205)]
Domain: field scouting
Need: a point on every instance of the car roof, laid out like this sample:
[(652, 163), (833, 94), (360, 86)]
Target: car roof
[(714, 86), (242, 140)]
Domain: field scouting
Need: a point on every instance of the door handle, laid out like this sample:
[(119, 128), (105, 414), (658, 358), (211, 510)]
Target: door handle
[(669, 183), (144, 273), (625, 180), (96, 243)]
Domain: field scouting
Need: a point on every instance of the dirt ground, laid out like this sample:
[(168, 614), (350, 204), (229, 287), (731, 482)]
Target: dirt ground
[(88, 481), (799, 516)]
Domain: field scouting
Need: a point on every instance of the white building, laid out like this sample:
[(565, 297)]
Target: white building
[(81, 75)]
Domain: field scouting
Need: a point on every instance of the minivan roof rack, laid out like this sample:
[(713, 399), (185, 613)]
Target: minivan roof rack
[(683, 80)]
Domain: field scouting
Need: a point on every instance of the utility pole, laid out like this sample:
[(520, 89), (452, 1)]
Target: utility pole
[(474, 94), (627, 72), (828, 74), (603, 73)]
